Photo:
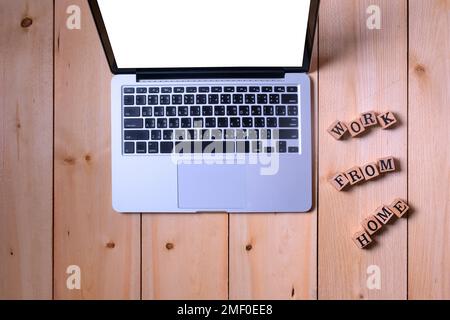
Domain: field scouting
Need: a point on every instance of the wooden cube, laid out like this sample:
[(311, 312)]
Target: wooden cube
[(354, 175), (383, 214), (387, 120), (369, 119), (371, 225), (399, 207), (337, 130), (339, 181), (370, 171), (356, 127), (361, 239), (386, 164)]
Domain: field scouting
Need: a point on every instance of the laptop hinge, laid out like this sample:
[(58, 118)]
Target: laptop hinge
[(229, 74)]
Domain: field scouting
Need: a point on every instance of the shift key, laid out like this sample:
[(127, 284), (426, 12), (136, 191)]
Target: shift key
[(288, 134)]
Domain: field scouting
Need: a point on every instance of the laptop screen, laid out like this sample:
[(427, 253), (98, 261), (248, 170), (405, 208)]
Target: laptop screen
[(206, 33)]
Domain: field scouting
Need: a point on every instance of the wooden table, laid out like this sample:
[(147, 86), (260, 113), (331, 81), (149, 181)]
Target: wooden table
[(55, 199)]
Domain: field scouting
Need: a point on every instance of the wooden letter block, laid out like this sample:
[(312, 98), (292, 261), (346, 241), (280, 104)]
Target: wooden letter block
[(369, 119), (386, 164), (371, 225), (362, 239), (337, 130), (384, 214), (356, 127), (387, 120), (339, 181), (354, 175), (399, 207), (370, 171)]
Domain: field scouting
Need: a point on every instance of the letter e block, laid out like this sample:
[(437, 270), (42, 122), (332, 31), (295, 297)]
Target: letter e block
[(387, 120), (361, 239), (384, 214), (371, 225), (354, 175), (386, 164), (370, 171), (337, 130), (369, 119), (356, 127), (399, 207), (339, 181)]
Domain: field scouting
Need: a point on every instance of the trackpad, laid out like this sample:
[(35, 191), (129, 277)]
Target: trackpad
[(217, 187)]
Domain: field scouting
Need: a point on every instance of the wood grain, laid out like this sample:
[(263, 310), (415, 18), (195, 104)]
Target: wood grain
[(361, 70), (184, 256), (274, 256), (88, 233), (26, 148), (429, 154)]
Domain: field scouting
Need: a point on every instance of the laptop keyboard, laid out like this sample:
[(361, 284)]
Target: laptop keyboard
[(210, 119)]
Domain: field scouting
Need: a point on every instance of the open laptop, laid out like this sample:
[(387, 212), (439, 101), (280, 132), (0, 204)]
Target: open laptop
[(210, 104)]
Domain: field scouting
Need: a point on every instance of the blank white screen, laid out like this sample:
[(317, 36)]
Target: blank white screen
[(206, 33)]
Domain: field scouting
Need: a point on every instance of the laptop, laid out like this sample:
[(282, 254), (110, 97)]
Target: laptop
[(210, 104)]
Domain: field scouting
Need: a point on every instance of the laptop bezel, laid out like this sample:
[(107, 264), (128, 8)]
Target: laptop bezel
[(189, 72)]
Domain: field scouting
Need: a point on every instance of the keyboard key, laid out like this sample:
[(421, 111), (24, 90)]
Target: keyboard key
[(281, 110), (133, 123), (128, 147), (216, 134), (183, 111), (230, 134), (198, 122), (191, 89), (266, 134), (288, 122), (268, 110), (267, 89), (216, 89), (271, 122), (287, 134), (136, 134), (128, 90), (241, 89), (166, 90), (292, 89), (262, 99), (210, 122), (257, 147), (150, 123), (250, 98), (189, 99), (219, 110), (235, 122), (192, 134), (183, 147), (255, 89), (203, 89), (293, 110), (244, 110), (164, 99), (252, 134), (178, 90), (128, 100), (132, 112), (158, 111), (201, 99), (243, 147), (186, 122), (207, 111), (256, 110), (156, 135), (213, 99), (293, 149), (168, 135), (180, 135), (247, 122), (174, 123), (166, 147), (229, 147), (161, 123), (229, 89), (152, 100), (147, 111), (260, 122), (153, 147), (231, 111), (141, 90), (274, 98), (195, 111), (238, 98), (177, 99), (205, 134), (222, 122), (141, 147), (281, 147), (289, 98), (225, 98), (153, 90), (280, 89), (171, 111), (241, 134)]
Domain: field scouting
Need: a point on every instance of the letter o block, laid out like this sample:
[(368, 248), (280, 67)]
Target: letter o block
[(356, 127), (370, 171), (371, 225)]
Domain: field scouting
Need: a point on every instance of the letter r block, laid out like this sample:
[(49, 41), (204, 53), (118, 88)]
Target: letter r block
[(354, 175), (337, 130), (369, 119)]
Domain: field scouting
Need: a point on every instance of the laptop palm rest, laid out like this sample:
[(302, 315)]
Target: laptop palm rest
[(213, 187)]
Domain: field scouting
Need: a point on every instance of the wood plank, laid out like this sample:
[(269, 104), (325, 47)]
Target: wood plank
[(361, 70), (88, 233), (26, 149), (429, 155), (184, 256), (274, 256)]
